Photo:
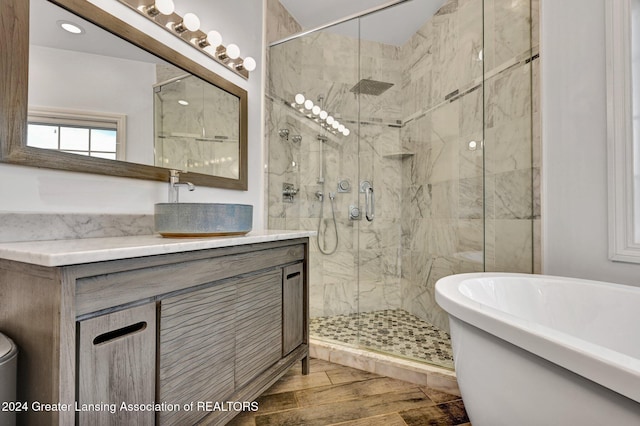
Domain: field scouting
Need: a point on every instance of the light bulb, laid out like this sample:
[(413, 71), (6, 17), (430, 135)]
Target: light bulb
[(323, 115), (308, 104), (330, 120), (233, 51), (214, 38), (191, 22), (315, 110), (70, 27), (341, 128), (166, 7), (249, 63), (299, 98), (346, 132), (335, 125)]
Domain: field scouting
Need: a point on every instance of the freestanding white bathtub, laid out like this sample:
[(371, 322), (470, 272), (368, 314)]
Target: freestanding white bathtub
[(542, 350)]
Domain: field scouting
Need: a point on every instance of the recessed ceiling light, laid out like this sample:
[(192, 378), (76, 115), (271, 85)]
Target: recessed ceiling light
[(183, 102), (71, 27)]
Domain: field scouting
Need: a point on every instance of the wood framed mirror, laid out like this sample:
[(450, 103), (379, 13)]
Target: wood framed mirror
[(16, 112)]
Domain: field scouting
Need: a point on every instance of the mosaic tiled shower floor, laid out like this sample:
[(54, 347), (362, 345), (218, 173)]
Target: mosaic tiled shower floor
[(392, 331)]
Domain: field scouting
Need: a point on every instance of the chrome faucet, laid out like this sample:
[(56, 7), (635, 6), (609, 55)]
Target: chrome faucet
[(175, 184)]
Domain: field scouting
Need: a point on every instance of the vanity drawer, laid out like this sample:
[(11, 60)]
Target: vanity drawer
[(106, 290)]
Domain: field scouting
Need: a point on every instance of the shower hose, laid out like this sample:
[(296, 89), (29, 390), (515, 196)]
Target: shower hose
[(324, 250)]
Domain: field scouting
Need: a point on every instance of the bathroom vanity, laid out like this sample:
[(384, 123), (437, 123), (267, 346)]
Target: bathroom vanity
[(190, 330)]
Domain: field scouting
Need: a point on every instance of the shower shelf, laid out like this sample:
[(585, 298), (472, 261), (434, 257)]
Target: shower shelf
[(399, 155)]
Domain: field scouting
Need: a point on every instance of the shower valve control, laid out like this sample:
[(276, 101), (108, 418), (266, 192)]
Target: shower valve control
[(354, 213), (288, 192), (344, 185)]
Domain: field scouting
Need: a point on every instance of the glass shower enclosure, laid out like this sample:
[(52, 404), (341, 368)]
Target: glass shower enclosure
[(412, 154)]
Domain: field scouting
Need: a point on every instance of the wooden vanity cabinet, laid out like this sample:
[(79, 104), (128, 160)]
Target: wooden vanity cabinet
[(204, 326)]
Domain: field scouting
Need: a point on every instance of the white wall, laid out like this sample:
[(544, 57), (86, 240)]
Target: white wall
[(26, 189), (574, 166), (74, 87)]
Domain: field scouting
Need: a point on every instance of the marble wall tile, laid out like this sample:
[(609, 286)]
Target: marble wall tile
[(470, 42), (471, 238), (16, 227), (507, 147), (443, 237), (490, 245), (280, 23), (514, 245), (471, 198), (374, 295), (444, 199), (508, 96), (507, 27), (287, 80), (420, 232), (471, 113), (513, 195), (443, 161), (535, 24)]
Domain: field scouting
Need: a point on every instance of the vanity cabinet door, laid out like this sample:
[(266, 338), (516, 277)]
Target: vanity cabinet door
[(197, 350), (258, 325), (116, 364), (293, 308)]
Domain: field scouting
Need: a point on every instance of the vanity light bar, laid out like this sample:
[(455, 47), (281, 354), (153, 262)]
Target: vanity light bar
[(187, 29), (317, 114)]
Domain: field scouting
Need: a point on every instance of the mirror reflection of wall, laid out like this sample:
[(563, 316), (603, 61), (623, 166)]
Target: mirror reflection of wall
[(100, 85), (92, 93)]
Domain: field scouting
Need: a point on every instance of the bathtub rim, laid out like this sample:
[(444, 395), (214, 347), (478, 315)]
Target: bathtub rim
[(607, 367)]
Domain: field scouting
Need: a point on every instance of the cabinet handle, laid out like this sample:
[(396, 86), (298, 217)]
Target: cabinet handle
[(121, 332), (292, 275)]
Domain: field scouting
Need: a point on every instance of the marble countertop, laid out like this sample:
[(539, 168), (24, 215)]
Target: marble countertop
[(87, 250)]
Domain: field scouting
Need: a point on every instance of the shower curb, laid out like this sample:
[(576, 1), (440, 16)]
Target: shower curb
[(440, 379)]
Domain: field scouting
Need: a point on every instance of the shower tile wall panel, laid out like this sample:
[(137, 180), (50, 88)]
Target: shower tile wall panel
[(431, 201), (280, 23), (445, 195), (442, 224)]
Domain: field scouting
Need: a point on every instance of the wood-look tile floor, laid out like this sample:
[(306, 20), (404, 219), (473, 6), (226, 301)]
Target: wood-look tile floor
[(333, 394)]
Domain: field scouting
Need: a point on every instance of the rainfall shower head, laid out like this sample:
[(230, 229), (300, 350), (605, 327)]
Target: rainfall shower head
[(370, 87)]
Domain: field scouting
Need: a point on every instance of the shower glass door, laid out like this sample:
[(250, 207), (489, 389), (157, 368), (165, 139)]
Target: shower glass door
[(420, 139), (308, 92)]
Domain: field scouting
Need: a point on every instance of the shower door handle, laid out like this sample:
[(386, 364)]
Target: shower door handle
[(369, 200)]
